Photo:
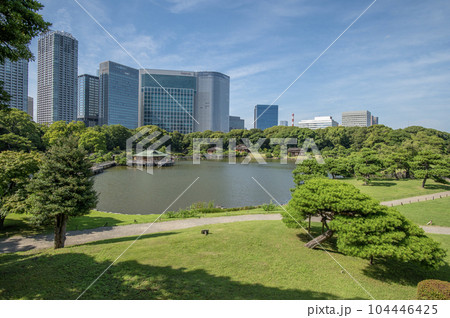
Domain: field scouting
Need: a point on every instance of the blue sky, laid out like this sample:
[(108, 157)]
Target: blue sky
[(394, 61)]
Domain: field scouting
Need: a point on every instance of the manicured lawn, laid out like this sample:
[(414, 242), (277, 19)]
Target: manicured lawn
[(244, 260), (18, 223), (422, 212), (387, 190)]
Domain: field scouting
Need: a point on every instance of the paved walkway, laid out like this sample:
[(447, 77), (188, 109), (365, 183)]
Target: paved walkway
[(23, 243), (20, 243), (420, 198)]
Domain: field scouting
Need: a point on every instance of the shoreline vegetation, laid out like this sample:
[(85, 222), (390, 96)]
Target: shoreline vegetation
[(381, 190)]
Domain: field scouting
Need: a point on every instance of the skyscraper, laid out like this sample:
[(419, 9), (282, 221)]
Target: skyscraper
[(283, 122), (57, 77), (170, 107), (87, 108), (361, 118), (118, 95), (236, 123), (14, 76), (265, 116), (212, 107), (30, 108), (172, 99)]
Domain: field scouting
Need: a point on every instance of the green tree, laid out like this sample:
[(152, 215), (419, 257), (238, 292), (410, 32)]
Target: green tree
[(92, 141), (367, 165), (19, 23), (16, 169), (308, 169), (116, 136), (337, 166), (60, 130), (430, 165), (18, 131), (397, 163), (62, 188), (363, 227)]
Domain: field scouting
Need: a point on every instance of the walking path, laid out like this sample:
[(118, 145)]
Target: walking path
[(426, 197), (22, 243)]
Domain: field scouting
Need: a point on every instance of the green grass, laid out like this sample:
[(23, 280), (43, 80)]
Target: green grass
[(422, 212), (19, 223), (243, 260), (391, 189)]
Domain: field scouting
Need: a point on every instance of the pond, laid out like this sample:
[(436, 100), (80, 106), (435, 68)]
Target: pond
[(132, 191)]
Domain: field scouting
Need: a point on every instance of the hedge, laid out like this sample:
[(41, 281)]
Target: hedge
[(433, 289)]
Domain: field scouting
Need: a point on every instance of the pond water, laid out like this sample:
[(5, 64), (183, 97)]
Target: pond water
[(132, 191)]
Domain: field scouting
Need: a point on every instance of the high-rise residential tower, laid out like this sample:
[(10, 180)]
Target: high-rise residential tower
[(212, 107), (184, 101), (118, 95), (87, 108), (14, 76), (265, 116), (30, 108), (57, 77)]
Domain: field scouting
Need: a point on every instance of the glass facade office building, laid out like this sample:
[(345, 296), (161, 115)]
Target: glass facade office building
[(118, 95), (88, 100), (212, 107), (14, 76), (172, 99), (170, 107), (57, 77), (265, 116), (236, 123)]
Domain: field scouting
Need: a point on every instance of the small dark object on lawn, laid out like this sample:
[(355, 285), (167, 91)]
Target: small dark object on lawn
[(430, 223), (206, 232), (135, 221)]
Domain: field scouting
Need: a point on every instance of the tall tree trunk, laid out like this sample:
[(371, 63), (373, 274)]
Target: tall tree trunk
[(423, 182), (2, 221), (60, 230), (371, 259)]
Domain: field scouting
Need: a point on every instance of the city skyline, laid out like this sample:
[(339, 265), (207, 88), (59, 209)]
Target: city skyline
[(392, 60)]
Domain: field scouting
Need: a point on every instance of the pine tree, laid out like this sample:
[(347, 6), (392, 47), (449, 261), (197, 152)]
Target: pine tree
[(363, 227), (62, 188)]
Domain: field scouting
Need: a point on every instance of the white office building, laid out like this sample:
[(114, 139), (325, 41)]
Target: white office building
[(361, 118), (14, 76), (318, 122), (57, 77)]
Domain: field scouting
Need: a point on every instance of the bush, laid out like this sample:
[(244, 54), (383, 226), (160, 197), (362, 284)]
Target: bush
[(433, 289), (269, 207)]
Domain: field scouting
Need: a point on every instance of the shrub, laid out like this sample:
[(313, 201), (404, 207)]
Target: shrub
[(269, 207), (433, 289)]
